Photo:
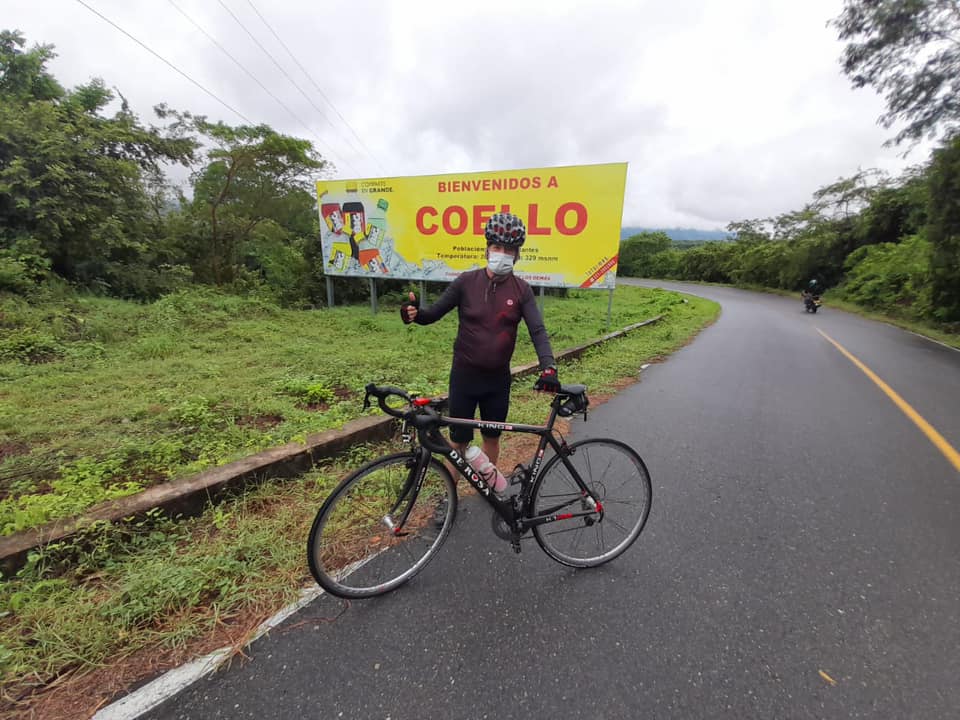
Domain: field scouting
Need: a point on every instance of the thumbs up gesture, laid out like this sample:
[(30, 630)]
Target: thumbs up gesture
[(408, 310)]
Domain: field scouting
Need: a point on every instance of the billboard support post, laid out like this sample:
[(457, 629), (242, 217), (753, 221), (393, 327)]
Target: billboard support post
[(609, 309), (329, 291)]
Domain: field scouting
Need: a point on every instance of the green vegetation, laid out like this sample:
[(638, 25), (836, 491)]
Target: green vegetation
[(103, 397), (84, 197), (162, 585), (885, 41)]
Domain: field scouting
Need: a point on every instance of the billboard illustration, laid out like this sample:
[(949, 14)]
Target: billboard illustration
[(431, 227)]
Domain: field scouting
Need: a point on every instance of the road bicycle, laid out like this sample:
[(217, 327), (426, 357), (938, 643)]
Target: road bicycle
[(585, 504)]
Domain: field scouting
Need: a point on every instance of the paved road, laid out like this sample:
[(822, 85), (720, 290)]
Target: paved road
[(801, 523)]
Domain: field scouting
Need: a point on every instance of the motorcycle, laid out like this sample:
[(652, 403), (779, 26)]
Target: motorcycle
[(811, 302)]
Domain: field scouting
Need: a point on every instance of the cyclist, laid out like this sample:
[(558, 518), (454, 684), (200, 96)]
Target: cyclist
[(490, 303)]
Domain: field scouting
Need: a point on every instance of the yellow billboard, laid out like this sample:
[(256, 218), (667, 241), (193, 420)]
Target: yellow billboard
[(430, 227)]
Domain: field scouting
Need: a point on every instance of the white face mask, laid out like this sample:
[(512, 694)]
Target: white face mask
[(500, 263)]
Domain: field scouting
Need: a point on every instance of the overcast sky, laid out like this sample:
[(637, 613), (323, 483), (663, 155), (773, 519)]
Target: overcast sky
[(724, 109)]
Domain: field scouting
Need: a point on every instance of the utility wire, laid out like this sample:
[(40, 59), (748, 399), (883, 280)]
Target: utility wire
[(167, 62), (282, 70), (253, 77), (315, 85)]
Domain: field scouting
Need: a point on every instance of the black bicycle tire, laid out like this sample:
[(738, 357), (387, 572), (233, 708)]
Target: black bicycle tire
[(541, 532), (336, 587)]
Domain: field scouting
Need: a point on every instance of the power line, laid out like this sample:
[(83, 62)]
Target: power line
[(163, 59), (315, 85), (252, 76), (281, 69)]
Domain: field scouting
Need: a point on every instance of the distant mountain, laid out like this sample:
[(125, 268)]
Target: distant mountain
[(679, 233)]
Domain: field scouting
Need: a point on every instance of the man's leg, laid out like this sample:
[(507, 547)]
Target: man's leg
[(494, 406), (461, 402), (491, 446)]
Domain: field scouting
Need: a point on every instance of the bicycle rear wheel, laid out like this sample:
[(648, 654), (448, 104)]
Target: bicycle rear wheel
[(616, 475), (353, 549)]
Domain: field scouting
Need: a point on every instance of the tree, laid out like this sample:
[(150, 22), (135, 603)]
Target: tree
[(909, 51), (253, 177), (23, 75), (846, 197), (895, 211), (943, 230), (636, 251), (750, 230), (72, 179)]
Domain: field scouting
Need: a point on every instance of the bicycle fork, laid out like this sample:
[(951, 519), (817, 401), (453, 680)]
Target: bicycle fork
[(418, 463)]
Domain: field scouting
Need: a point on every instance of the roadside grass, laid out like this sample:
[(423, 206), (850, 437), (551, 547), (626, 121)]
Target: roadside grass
[(101, 398), (77, 621), (932, 332)]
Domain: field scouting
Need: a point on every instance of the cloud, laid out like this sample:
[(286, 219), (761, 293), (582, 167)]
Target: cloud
[(722, 110)]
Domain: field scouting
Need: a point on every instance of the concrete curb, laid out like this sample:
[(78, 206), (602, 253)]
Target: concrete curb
[(188, 496)]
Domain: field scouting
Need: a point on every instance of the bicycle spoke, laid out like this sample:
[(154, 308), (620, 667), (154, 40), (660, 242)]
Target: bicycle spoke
[(607, 518), (354, 551), (631, 503), (563, 531), (612, 474)]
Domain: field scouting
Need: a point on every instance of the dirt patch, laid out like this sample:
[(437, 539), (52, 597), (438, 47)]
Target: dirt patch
[(259, 422), (11, 449), (148, 477), (343, 393), (315, 407)]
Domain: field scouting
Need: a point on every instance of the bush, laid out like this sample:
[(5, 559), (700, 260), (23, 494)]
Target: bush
[(891, 277), (204, 307), (30, 347), (14, 276)]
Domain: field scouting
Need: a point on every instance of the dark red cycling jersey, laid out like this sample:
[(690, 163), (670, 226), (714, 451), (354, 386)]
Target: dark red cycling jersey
[(490, 311)]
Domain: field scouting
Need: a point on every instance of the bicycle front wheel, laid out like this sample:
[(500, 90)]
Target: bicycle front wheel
[(617, 477), (357, 548)]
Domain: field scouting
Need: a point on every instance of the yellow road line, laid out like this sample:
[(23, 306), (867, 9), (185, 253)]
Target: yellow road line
[(926, 428)]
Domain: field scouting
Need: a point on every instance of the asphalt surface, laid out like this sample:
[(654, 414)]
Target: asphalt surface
[(802, 560)]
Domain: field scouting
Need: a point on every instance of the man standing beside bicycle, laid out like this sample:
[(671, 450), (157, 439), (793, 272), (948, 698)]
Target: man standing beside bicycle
[(490, 302)]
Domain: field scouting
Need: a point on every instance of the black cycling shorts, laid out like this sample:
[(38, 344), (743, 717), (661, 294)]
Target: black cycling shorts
[(488, 389)]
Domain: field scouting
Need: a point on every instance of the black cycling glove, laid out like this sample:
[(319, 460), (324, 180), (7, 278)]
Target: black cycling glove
[(548, 382)]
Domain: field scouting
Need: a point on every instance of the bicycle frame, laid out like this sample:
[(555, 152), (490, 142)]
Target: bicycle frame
[(515, 513)]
